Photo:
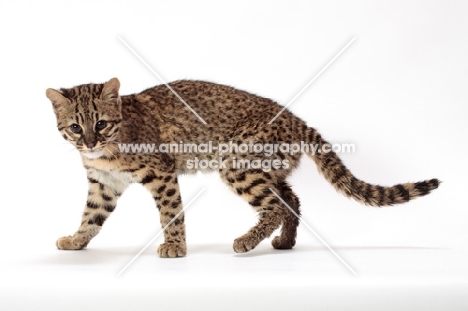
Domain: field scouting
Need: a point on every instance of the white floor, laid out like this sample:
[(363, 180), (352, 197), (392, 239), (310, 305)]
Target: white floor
[(213, 278)]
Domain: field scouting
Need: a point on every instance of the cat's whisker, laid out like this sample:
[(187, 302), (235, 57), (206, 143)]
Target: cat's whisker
[(71, 150), (114, 155), (112, 146), (63, 143)]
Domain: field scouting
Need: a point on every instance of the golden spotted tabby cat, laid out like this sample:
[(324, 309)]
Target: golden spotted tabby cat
[(98, 122)]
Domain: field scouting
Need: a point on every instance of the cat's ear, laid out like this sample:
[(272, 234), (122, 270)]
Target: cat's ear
[(110, 91), (57, 99)]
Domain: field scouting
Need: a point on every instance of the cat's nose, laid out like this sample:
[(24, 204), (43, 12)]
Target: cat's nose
[(90, 145)]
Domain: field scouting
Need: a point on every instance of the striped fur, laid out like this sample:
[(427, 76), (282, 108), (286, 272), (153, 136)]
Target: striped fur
[(332, 168)]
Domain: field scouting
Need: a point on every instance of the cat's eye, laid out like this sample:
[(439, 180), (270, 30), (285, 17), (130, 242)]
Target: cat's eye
[(75, 128), (100, 125)]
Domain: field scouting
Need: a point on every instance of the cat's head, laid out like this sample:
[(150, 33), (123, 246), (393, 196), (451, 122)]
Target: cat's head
[(88, 116)]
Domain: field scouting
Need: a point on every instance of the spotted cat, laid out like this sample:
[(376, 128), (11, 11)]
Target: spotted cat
[(97, 121)]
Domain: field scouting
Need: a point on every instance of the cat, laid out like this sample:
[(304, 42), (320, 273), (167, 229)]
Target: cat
[(97, 121)]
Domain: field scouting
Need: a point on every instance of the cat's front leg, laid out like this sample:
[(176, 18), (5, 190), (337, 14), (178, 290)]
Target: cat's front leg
[(100, 203), (165, 190)]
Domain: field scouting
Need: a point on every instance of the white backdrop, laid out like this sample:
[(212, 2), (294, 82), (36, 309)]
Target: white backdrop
[(399, 93)]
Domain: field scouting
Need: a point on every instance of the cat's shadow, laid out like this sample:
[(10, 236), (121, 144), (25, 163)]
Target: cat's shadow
[(93, 256), (90, 256), (312, 249)]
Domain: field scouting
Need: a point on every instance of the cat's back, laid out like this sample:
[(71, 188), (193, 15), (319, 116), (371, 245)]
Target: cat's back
[(212, 101), (188, 104)]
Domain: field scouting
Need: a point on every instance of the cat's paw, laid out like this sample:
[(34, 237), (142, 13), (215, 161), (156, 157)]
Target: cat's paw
[(244, 244), (279, 243), (172, 250), (70, 243)]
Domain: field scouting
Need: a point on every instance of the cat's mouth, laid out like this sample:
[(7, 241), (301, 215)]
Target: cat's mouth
[(93, 154)]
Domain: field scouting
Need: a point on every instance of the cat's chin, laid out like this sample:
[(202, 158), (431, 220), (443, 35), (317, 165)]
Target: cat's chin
[(93, 154)]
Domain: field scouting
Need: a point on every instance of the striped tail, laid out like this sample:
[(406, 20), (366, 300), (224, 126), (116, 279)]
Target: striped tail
[(344, 182)]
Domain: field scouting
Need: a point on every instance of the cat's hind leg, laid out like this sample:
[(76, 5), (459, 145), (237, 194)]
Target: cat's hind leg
[(254, 186), (287, 238)]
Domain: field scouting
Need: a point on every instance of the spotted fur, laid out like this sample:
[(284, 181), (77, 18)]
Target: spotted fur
[(95, 119)]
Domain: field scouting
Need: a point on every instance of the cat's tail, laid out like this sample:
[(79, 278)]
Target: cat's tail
[(344, 182)]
